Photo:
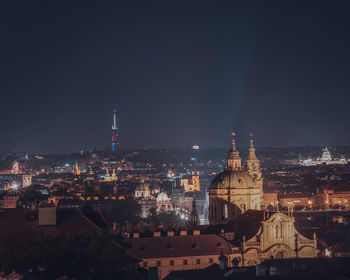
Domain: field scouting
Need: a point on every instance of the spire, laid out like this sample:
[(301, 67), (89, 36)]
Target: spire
[(114, 175), (251, 140), (233, 141), (251, 155), (77, 171), (233, 158), (115, 136), (107, 175), (194, 214)]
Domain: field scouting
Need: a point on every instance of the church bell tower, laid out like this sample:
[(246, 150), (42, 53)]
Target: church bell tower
[(252, 165), (233, 161)]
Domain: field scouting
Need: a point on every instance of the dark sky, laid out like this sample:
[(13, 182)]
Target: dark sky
[(180, 72)]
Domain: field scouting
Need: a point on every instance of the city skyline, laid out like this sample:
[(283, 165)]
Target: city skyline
[(179, 74), (167, 140)]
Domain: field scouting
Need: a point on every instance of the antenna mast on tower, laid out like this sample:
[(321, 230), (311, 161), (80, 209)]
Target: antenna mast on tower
[(115, 136)]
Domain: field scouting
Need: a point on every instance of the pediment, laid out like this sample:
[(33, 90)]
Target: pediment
[(279, 217)]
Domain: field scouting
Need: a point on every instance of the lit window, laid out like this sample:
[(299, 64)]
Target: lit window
[(224, 211)]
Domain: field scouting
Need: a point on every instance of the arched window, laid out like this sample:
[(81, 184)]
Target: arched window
[(242, 207), (224, 211), (281, 228)]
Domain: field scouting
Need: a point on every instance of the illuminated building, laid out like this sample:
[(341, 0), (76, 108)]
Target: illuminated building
[(15, 168), (7, 186), (76, 169), (164, 203), (142, 190), (264, 237), (237, 189), (321, 200), (9, 200), (182, 202), (332, 199), (292, 200), (155, 190), (107, 176), (190, 184), (114, 175), (270, 198), (326, 158), (339, 198), (115, 135), (147, 203), (110, 178), (26, 180), (252, 165), (176, 251)]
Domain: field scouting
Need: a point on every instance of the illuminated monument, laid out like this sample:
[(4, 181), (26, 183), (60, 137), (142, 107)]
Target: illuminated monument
[(237, 189), (326, 158), (115, 136)]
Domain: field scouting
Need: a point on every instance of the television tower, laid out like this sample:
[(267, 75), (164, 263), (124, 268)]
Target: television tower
[(115, 136)]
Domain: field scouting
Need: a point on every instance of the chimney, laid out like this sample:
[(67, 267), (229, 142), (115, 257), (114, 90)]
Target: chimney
[(47, 216), (183, 232)]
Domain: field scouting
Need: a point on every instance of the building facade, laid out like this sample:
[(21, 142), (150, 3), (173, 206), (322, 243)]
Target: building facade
[(174, 251), (262, 236), (237, 189), (142, 191), (190, 184)]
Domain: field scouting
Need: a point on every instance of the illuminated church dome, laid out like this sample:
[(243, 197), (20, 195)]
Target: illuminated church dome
[(236, 189), (232, 180)]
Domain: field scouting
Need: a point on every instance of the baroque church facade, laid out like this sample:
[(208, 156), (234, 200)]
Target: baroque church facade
[(238, 188), (261, 236)]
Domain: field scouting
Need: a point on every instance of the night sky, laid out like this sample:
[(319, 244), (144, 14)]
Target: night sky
[(180, 72)]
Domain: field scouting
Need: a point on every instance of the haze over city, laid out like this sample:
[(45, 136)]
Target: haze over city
[(180, 73)]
